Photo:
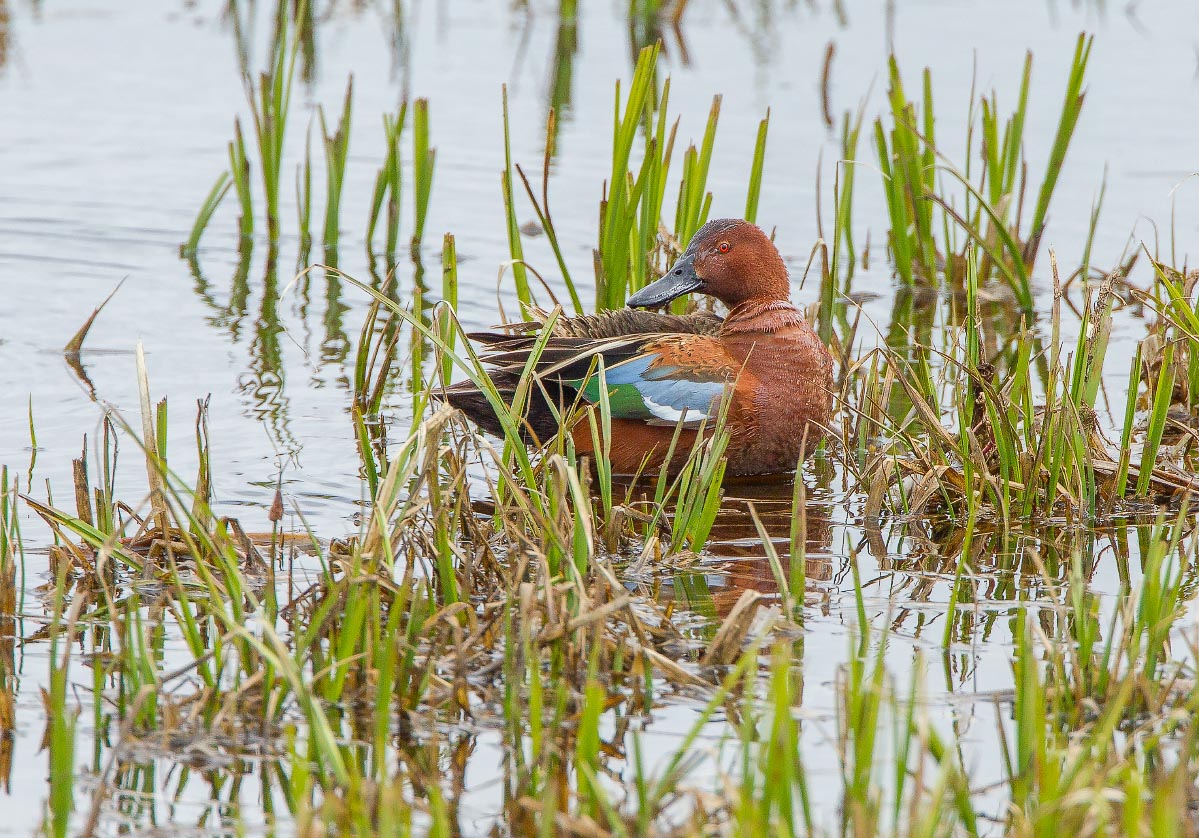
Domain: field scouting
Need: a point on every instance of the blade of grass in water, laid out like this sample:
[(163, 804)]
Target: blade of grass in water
[(755, 171), (270, 103), (925, 248), (61, 719), (304, 200), (1157, 419), (337, 146), (1130, 409), (240, 167), (544, 217), (617, 210), (449, 293), (1071, 108), (515, 249), (423, 158), (386, 198), (843, 248), (211, 202), (694, 199)]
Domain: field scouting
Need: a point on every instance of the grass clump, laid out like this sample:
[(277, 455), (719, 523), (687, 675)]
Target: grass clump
[(364, 627), (930, 229), (633, 247)]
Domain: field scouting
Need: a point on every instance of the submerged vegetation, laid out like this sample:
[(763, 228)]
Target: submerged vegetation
[(499, 647)]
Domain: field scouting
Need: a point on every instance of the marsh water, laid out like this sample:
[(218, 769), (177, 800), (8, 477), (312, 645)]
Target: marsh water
[(114, 120)]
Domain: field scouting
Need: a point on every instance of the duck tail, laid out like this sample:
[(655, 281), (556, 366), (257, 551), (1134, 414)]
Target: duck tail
[(539, 423)]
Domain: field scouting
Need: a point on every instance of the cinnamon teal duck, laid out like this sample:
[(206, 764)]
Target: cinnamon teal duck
[(663, 369)]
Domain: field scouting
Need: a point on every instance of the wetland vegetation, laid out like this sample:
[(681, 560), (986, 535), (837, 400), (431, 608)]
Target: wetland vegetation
[(971, 612)]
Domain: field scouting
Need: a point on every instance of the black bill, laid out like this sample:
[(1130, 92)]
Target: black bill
[(679, 280)]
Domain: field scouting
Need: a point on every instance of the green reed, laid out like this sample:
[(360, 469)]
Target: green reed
[(544, 217), (1162, 398), (1068, 121), (337, 145), (207, 208), (695, 201), (423, 158), (618, 209), (449, 295), (388, 183), (269, 98), (270, 101), (1177, 326), (930, 225), (844, 258), (600, 425), (11, 548), (520, 274), (304, 200), (699, 486), (754, 189), (630, 252), (783, 805), (239, 166), (61, 720), (907, 161)]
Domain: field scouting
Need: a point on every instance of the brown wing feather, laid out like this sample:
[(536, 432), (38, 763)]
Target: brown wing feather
[(623, 322), (627, 322), (569, 355)]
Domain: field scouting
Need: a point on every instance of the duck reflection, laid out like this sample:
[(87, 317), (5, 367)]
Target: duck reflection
[(736, 558)]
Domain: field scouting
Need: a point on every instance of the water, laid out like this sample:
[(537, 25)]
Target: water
[(113, 125)]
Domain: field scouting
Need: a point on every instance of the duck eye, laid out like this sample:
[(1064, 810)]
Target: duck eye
[(723, 247)]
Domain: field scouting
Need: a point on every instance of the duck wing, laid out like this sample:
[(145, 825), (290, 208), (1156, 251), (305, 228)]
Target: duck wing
[(672, 379), (621, 322), (657, 377)]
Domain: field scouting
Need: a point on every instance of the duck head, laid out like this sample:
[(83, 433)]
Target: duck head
[(729, 259)]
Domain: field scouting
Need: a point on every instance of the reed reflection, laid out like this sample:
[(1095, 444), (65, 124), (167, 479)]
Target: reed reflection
[(5, 32), (263, 382), (561, 83), (8, 638)]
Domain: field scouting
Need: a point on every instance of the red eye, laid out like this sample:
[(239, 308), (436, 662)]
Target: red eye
[(723, 247)]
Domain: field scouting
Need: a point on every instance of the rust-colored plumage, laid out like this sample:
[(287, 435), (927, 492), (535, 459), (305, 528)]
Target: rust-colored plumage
[(664, 369)]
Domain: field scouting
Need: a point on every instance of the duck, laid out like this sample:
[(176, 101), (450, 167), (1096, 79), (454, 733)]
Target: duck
[(664, 370)]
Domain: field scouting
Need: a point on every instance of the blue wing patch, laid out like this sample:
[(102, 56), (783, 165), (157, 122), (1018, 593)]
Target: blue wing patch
[(661, 396)]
